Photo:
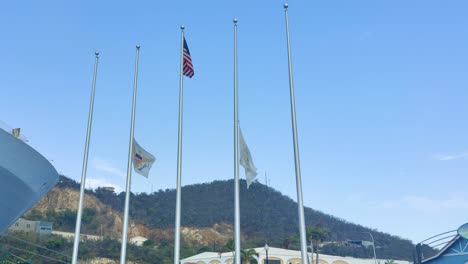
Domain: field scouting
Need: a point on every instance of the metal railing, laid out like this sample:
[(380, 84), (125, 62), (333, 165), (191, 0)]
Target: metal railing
[(13, 131), (431, 246)]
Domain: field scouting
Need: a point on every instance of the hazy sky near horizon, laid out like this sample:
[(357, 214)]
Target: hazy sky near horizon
[(381, 98)]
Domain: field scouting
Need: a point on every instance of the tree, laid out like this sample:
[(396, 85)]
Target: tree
[(390, 261), (247, 255), (316, 234), (229, 245), (149, 243)]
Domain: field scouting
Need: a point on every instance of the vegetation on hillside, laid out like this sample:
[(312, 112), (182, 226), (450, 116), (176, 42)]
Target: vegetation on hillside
[(266, 216), (25, 248)]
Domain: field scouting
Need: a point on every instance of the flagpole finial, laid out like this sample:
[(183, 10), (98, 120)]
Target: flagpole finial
[(234, 20), (138, 46), (286, 6), (182, 27), (96, 53)]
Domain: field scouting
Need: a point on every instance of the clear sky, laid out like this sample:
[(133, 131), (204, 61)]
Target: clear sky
[(381, 98)]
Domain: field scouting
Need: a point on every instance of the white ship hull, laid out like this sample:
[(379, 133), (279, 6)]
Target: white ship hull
[(25, 177)]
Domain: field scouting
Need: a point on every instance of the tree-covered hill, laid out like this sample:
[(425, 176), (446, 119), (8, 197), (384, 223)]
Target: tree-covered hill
[(266, 215)]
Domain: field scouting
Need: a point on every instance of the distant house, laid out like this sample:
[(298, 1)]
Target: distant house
[(456, 251), (70, 236), (108, 188), (38, 227), (138, 240)]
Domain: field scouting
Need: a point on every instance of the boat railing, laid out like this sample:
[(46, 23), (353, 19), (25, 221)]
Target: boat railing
[(16, 132), (430, 247)]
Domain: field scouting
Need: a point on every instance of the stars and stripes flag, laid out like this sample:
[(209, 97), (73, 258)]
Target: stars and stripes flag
[(188, 66)]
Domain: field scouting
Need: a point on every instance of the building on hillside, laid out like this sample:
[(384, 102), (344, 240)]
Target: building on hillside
[(138, 240), (83, 237), (108, 188), (278, 256), (38, 227)]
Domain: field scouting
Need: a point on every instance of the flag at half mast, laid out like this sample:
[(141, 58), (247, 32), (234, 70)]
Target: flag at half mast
[(246, 161), (188, 66), (142, 159)]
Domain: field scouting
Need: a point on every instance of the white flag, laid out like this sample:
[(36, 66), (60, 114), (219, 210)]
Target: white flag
[(142, 159), (246, 161)]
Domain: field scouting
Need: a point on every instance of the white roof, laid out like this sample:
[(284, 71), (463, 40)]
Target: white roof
[(138, 238), (283, 254), (205, 255)]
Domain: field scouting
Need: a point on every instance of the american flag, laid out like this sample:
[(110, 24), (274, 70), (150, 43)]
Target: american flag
[(188, 67)]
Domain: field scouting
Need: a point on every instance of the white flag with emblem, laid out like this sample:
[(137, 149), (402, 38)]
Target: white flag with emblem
[(142, 159), (246, 161)]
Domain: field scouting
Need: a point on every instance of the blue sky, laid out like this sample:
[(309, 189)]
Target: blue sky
[(381, 98)]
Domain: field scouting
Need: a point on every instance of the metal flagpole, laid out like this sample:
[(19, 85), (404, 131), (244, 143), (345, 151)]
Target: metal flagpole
[(296, 149), (179, 152), (373, 245), (85, 165), (236, 157), (123, 251)]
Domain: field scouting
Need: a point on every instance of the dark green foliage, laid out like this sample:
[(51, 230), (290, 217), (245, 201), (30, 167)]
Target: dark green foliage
[(62, 220), (316, 233), (55, 242), (13, 248), (229, 246), (65, 182), (35, 215), (149, 243), (247, 255), (48, 250), (266, 216)]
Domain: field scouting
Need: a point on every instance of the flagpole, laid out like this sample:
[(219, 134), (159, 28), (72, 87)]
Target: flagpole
[(236, 157), (297, 164), (123, 252), (85, 165), (179, 152)]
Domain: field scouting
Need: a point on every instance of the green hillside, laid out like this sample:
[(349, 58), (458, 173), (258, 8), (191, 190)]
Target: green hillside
[(266, 215)]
